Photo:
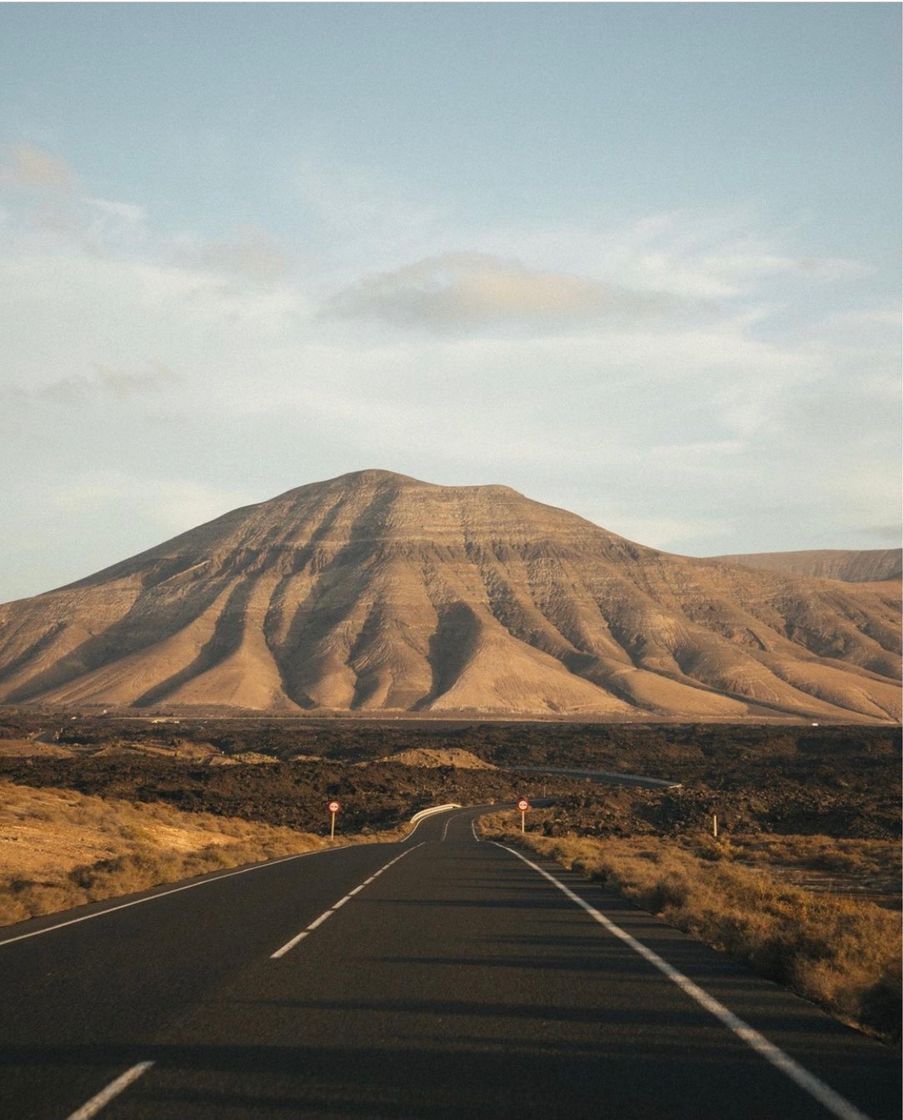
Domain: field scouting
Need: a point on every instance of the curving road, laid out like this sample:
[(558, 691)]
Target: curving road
[(439, 977)]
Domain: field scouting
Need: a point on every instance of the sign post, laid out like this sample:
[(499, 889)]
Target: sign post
[(523, 805), (333, 809)]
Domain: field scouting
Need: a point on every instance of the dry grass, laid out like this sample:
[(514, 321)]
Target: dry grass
[(430, 758), (841, 953), (59, 848), (868, 859)]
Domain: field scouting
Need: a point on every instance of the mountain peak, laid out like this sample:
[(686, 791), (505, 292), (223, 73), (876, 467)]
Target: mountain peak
[(374, 590), (375, 475)]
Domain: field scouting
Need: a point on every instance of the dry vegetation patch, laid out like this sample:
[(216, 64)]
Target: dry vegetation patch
[(841, 953), (841, 865), (59, 848), (32, 748), (450, 756)]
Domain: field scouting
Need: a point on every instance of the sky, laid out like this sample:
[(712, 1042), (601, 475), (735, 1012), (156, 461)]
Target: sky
[(641, 261)]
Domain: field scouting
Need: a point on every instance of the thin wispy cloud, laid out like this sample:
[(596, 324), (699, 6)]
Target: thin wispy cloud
[(700, 255), (107, 382), (127, 212), (889, 535)]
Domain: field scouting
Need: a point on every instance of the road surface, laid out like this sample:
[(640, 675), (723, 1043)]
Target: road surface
[(439, 977)]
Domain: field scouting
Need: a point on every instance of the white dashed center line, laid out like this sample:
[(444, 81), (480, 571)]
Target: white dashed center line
[(335, 906), (100, 1100), (319, 921), (96, 1103)]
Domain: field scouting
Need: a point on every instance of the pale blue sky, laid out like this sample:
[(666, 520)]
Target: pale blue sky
[(637, 260)]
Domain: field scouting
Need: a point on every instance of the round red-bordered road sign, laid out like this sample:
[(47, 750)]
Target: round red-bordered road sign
[(334, 806), (523, 804)]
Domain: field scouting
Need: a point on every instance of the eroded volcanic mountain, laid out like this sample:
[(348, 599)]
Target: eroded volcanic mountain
[(376, 591)]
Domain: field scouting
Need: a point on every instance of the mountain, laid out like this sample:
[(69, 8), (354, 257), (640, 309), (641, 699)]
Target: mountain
[(853, 566), (376, 591)]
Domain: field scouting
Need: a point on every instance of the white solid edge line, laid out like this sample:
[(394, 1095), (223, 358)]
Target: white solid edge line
[(473, 829), (172, 890), (836, 1104), (96, 1103), (328, 913)]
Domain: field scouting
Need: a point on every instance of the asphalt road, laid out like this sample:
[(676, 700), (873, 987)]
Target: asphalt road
[(455, 980)]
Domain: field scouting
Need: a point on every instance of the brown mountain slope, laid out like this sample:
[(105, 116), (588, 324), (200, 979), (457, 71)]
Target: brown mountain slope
[(850, 565), (376, 591)]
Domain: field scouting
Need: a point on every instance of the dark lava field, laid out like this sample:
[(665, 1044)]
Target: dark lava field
[(841, 781)]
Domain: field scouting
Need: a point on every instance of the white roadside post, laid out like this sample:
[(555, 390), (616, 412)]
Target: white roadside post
[(715, 825), (333, 809), (523, 805)]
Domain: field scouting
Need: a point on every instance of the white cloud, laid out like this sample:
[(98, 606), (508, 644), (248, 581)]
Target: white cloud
[(645, 375), (472, 290), (250, 254)]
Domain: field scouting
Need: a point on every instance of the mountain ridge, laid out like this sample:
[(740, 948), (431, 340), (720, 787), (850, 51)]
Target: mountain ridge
[(376, 591), (864, 565)]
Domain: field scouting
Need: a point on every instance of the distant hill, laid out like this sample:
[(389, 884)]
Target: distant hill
[(377, 592), (851, 566)]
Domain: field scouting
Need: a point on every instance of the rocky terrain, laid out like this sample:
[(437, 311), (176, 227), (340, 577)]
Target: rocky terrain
[(376, 592), (828, 781), (373, 795)]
